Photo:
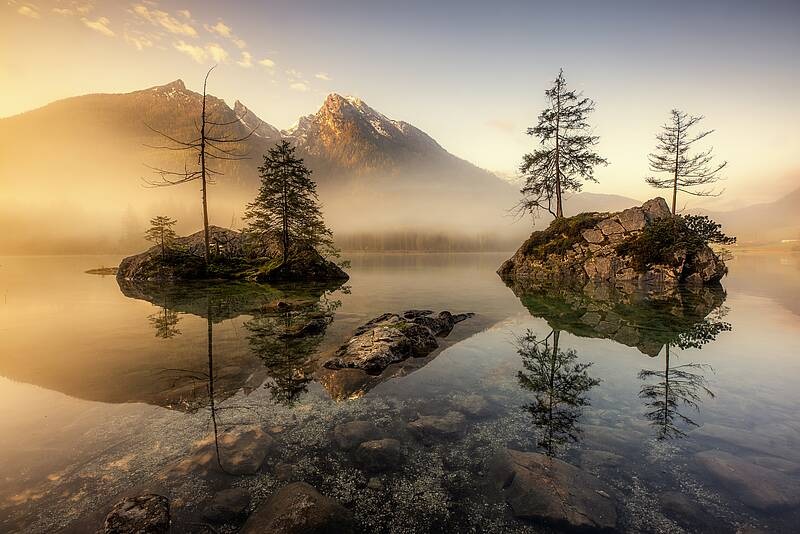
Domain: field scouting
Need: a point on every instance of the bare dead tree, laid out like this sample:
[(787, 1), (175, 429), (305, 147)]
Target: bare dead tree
[(673, 155), (210, 146)]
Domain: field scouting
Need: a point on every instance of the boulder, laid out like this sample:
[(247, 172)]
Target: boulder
[(349, 435), (298, 508), (379, 455), (228, 506), (391, 338), (756, 486), (145, 514), (689, 514), (242, 450), (447, 425), (547, 490), (592, 247)]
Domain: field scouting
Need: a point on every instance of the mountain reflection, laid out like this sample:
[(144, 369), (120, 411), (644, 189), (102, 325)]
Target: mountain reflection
[(559, 384)]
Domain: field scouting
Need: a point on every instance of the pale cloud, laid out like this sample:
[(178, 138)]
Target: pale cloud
[(246, 61), (140, 41), (29, 10), (164, 20), (218, 54), (185, 13), (299, 86), (239, 42), (220, 28), (294, 75), (100, 25), (197, 53), (266, 62), (63, 11), (322, 76)]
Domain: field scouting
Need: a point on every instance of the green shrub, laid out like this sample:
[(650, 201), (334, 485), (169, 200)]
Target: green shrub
[(560, 236)]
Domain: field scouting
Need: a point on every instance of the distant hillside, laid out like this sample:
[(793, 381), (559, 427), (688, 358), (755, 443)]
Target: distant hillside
[(762, 223)]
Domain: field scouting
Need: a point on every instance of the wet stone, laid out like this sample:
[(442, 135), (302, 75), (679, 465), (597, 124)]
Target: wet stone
[(299, 509), (474, 405), (379, 455), (687, 513), (228, 506), (450, 424), (756, 486), (145, 514), (547, 490), (243, 450), (349, 435), (594, 460)]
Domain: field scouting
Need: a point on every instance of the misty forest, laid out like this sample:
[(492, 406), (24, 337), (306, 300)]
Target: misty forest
[(565, 299)]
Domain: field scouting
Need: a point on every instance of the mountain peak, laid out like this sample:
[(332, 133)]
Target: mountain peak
[(177, 84)]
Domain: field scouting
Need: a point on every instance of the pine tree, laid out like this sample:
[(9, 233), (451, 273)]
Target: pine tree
[(565, 158), (161, 232), (673, 156), (287, 207)]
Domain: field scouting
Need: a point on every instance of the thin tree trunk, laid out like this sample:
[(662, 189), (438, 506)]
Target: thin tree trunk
[(285, 233), (559, 210), (666, 390), (675, 177), (207, 237)]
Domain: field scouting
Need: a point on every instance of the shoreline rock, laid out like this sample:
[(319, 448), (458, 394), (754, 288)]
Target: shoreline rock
[(133, 515), (391, 338), (586, 248), (231, 259)]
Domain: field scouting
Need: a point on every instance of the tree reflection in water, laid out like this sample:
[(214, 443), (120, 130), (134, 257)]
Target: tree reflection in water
[(165, 323), (559, 384), (679, 387)]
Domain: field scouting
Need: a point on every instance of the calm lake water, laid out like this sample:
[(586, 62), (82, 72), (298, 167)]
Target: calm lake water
[(107, 392)]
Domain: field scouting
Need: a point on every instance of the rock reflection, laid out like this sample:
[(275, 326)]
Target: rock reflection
[(560, 385)]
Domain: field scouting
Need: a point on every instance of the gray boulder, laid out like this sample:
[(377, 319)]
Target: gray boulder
[(391, 338), (349, 435), (379, 455), (145, 514), (438, 426), (228, 506), (546, 490), (298, 508)]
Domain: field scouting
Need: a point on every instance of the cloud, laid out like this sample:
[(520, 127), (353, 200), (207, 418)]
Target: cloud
[(164, 20), (322, 76), (63, 11), (218, 54), (185, 13), (299, 86), (266, 62), (294, 75), (197, 53), (29, 11), (140, 41), (239, 42), (220, 28), (99, 25), (246, 61)]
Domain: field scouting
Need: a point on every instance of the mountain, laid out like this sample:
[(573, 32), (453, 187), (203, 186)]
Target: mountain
[(93, 155), (762, 223)]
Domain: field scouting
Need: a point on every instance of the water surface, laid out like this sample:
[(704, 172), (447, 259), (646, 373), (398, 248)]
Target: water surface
[(109, 391)]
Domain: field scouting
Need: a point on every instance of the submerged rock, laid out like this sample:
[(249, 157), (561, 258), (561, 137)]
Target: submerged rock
[(756, 486), (545, 489), (145, 514), (232, 258), (391, 338), (349, 435), (299, 509), (588, 247), (450, 424), (690, 515), (228, 506), (379, 455)]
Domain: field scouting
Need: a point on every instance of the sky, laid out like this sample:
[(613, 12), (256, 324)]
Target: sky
[(470, 74)]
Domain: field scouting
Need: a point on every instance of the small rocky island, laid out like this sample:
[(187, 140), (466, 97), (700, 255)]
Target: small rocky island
[(232, 258), (641, 247)]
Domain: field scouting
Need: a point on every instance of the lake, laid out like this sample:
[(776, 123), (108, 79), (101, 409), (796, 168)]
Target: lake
[(684, 408)]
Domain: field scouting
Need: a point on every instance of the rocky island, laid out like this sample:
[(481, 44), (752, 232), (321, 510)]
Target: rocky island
[(643, 247), (232, 258)]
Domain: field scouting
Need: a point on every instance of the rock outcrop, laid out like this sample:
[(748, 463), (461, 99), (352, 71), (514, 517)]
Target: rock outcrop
[(135, 515), (546, 490), (299, 509), (589, 247), (231, 259), (392, 338)]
